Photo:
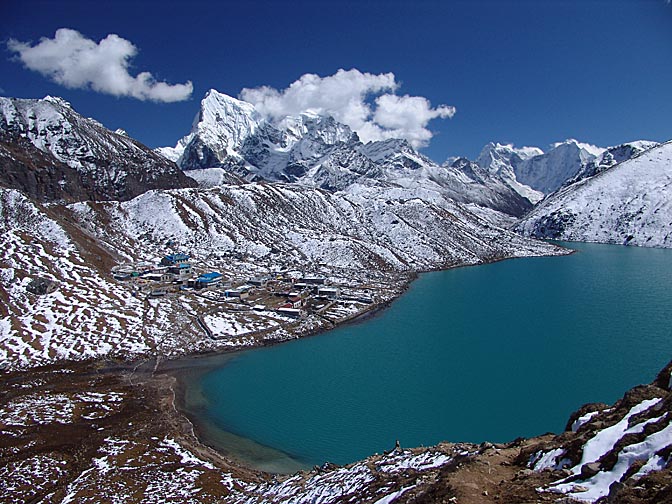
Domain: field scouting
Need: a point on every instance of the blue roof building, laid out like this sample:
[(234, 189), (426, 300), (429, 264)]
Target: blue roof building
[(171, 259), (209, 278)]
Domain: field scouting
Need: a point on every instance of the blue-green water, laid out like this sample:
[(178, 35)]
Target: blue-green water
[(472, 354)]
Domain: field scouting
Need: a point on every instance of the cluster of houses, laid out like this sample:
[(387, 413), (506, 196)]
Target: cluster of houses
[(173, 268), (174, 273)]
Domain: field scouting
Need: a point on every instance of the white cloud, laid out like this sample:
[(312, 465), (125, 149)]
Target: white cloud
[(409, 115), (77, 62), (344, 96)]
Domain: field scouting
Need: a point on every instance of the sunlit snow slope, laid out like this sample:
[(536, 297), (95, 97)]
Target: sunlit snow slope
[(629, 203)]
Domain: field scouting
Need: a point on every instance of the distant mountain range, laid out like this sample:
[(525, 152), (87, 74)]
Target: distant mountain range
[(51, 153), (319, 152), (231, 138)]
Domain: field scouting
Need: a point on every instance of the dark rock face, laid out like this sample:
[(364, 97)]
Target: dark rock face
[(295, 170), (552, 226), (42, 286), (199, 155), (39, 174), (470, 169), (109, 165), (501, 196)]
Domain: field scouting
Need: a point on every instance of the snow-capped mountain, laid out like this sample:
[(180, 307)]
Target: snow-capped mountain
[(628, 202), (317, 151), (610, 157), (110, 165), (218, 132), (498, 157), (503, 160), (547, 172), (534, 173)]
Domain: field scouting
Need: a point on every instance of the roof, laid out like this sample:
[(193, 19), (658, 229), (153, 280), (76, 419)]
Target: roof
[(213, 275), (153, 276), (177, 257)]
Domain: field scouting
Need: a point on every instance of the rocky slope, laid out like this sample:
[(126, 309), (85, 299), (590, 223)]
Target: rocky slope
[(368, 228), (317, 151), (108, 165), (626, 203), (66, 438), (241, 230), (39, 174)]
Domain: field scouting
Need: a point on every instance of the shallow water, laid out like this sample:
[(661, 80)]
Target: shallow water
[(472, 354)]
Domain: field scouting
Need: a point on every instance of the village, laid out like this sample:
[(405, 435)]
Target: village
[(228, 304)]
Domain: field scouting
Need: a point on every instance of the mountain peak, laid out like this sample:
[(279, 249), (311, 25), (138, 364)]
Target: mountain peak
[(56, 100), (222, 124), (496, 157), (593, 150), (214, 98)]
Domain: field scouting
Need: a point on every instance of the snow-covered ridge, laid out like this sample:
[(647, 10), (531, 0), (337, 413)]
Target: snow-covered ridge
[(368, 228), (243, 229), (534, 173), (627, 203), (109, 163), (610, 451), (317, 151)]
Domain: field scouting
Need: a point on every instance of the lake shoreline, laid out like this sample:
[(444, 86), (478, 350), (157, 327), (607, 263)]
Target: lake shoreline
[(182, 369), (451, 436), (153, 384), (201, 428)]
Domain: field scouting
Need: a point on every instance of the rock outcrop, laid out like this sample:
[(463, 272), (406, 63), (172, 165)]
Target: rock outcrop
[(108, 165)]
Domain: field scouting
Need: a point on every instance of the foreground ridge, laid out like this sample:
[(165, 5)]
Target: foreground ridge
[(132, 446)]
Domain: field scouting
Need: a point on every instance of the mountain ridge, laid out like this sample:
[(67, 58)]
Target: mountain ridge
[(317, 151), (626, 203), (109, 165)]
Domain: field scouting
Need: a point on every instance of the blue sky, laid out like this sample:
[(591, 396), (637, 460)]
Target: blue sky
[(522, 72)]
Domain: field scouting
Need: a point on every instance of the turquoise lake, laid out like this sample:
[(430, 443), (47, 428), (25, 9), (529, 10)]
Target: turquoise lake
[(491, 352)]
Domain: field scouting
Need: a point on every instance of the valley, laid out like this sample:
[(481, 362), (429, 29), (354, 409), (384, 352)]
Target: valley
[(268, 214)]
